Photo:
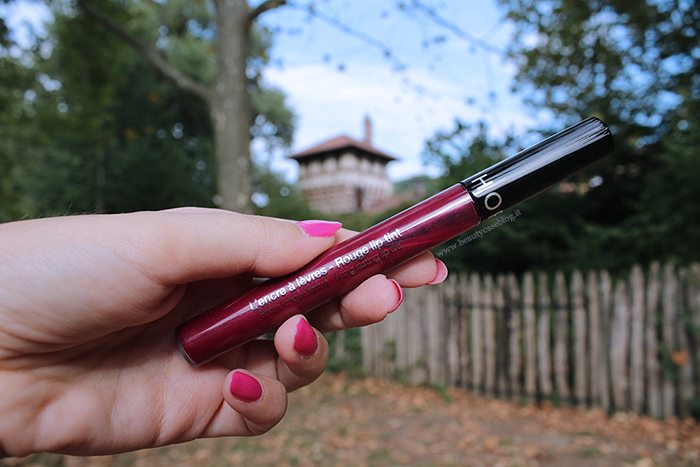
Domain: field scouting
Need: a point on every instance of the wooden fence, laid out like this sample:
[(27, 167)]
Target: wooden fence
[(630, 345)]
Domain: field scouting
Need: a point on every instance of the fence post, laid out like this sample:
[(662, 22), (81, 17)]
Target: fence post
[(693, 307), (501, 322), (579, 323), (669, 317), (402, 342), (452, 334), (415, 351), (339, 352), (560, 331), (397, 324), (433, 314), (514, 336), (489, 336), (682, 359), (652, 344), (477, 332), (606, 313), (367, 349), (636, 341), (530, 337), (595, 351), (619, 345), (463, 298), (543, 337)]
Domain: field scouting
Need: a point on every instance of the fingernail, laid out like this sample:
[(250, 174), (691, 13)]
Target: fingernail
[(319, 228), (400, 301), (440, 274), (245, 387), (305, 340)]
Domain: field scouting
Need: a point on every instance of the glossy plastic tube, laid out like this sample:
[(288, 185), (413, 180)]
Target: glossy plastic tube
[(393, 241), (335, 272)]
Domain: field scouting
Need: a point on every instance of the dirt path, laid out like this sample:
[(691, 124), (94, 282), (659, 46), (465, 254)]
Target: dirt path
[(341, 422)]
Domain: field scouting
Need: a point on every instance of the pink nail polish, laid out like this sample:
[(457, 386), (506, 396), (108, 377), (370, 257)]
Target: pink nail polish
[(440, 274), (305, 340), (319, 228), (245, 387), (400, 301)]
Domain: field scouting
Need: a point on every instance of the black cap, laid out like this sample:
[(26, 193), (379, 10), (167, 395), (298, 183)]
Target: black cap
[(539, 167)]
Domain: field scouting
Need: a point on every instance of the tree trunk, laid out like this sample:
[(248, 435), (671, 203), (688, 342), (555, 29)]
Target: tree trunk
[(228, 99), (230, 107)]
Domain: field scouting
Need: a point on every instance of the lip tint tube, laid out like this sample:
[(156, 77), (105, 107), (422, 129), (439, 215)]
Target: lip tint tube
[(394, 241)]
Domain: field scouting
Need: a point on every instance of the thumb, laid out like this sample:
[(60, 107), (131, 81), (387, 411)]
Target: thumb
[(186, 245)]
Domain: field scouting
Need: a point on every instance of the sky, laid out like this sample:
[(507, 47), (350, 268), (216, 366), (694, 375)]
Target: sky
[(447, 76), (335, 71)]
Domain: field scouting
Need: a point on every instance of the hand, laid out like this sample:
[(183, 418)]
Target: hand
[(88, 308)]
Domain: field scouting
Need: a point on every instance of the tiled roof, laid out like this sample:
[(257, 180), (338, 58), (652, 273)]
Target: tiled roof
[(341, 142)]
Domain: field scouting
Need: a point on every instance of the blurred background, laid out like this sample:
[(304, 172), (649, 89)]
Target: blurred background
[(121, 106)]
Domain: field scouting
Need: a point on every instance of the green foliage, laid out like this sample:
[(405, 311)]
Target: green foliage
[(636, 66), (278, 198), (670, 204), (114, 135), (183, 31), (463, 151), (543, 233), (18, 91), (570, 230), (628, 61), (352, 363), (90, 126), (275, 122), (633, 64)]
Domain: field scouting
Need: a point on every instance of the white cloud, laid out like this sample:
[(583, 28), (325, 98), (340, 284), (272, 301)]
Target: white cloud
[(330, 103)]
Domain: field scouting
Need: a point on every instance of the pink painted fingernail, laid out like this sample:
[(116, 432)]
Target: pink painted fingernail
[(400, 301), (441, 273), (245, 387), (305, 340), (319, 228)]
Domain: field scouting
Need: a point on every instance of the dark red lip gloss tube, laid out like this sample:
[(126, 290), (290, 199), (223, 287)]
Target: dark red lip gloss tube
[(394, 241)]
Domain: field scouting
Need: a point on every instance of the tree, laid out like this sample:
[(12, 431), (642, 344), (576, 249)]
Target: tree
[(93, 126), (464, 151), (219, 72), (632, 62), (106, 133), (225, 26), (637, 67)]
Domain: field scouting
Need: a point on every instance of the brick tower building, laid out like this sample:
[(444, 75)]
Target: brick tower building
[(343, 175)]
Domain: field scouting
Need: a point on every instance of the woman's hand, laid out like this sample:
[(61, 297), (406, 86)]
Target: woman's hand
[(88, 308)]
